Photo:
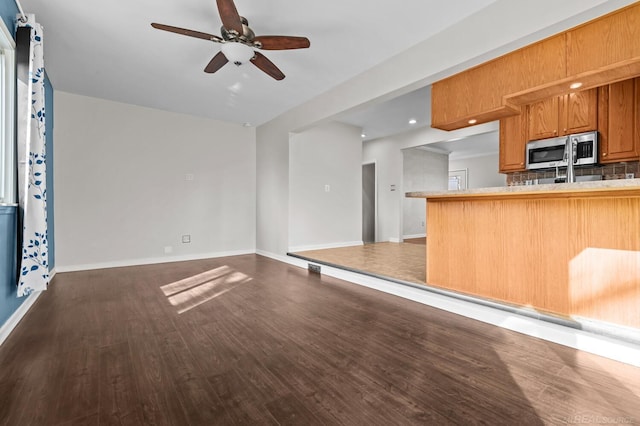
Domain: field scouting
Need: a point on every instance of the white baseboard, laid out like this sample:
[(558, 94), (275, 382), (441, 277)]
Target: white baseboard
[(151, 261), (408, 237), (394, 240), (578, 339), (15, 318), (283, 258), (296, 249)]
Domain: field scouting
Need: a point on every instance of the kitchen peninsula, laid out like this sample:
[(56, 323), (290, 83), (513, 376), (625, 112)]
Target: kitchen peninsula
[(571, 250)]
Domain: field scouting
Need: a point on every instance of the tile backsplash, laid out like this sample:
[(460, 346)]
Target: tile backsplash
[(607, 172)]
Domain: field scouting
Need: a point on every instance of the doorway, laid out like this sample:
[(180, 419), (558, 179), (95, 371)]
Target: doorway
[(369, 203)]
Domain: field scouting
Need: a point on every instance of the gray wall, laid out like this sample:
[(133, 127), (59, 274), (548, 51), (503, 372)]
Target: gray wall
[(122, 193), (483, 170), (388, 158), (421, 171), (327, 155), (387, 153)]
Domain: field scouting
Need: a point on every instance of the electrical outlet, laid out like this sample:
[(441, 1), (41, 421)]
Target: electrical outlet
[(168, 249), (315, 269), (327, 188), (629, 176), (189, 176), (422, 223), (186, 239)]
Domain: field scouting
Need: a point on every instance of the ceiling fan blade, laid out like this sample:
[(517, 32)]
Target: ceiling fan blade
[(186, 32), (216, 63), (229, 15), (282, 42), (261, 61)]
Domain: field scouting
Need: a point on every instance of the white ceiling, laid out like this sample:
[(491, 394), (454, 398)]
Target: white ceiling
[(471, 146), (392, 117), (107, 49)]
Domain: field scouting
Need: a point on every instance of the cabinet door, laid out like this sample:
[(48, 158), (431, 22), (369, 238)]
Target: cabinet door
[(513, 141), (579, 112), (543, 119), (620, 111)]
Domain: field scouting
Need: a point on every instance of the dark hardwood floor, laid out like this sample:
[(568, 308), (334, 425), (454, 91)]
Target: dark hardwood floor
[(248, 340)]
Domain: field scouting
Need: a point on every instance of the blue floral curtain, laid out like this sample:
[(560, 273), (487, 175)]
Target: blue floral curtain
[(32, 192)]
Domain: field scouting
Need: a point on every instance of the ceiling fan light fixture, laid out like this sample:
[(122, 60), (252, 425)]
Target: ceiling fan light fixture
[(237, 53)]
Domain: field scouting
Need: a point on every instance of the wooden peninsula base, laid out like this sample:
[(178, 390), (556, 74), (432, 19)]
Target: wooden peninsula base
[(567, 249)]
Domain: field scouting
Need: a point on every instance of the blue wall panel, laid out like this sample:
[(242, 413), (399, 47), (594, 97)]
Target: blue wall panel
[(8, 290), (9, 301), (9, 10)]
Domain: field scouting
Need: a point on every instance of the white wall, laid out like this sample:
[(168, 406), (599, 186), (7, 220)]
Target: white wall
[(387, 153), (121, 189), (483, 170), (388, 159), (329, 154), (421, 171), (501, 27)]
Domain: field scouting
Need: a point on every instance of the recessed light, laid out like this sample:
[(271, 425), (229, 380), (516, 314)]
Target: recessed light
[(473, 121), (247, 124), (363, 135), (575, 85), (413, 121)]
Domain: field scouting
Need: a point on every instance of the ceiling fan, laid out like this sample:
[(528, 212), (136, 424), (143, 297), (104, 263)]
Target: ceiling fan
[(239, 41)]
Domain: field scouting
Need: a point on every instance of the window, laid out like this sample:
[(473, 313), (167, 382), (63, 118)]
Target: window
[(7, 116)]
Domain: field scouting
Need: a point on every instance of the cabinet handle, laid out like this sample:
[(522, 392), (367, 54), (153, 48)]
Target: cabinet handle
[(555, 132), (604, 154)]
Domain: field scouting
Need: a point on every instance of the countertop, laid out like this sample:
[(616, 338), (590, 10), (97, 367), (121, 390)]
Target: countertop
[(601, 188)]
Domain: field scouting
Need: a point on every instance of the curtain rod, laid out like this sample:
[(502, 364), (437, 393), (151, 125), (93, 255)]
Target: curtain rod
[(23, 18)]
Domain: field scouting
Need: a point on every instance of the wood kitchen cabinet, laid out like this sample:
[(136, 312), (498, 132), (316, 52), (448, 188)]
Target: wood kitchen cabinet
[(618, 122), (575, 112), (478, 93), (513, 142), (543, 119), (596, 53), (601, 43)]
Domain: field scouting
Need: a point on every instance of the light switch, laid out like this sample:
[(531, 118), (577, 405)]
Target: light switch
[(327, 188)]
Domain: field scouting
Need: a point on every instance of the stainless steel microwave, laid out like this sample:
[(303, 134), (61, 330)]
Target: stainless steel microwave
[(554, 152)]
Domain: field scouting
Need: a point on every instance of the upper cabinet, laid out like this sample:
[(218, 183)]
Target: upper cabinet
[(543, 119), (600, 52), (579, 112), (513, 141), (477, 94), (605, 42), (619, 121), (563, 115), (613, 110)]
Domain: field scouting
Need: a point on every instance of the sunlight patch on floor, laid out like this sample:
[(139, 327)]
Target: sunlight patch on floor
[(193, 291)]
